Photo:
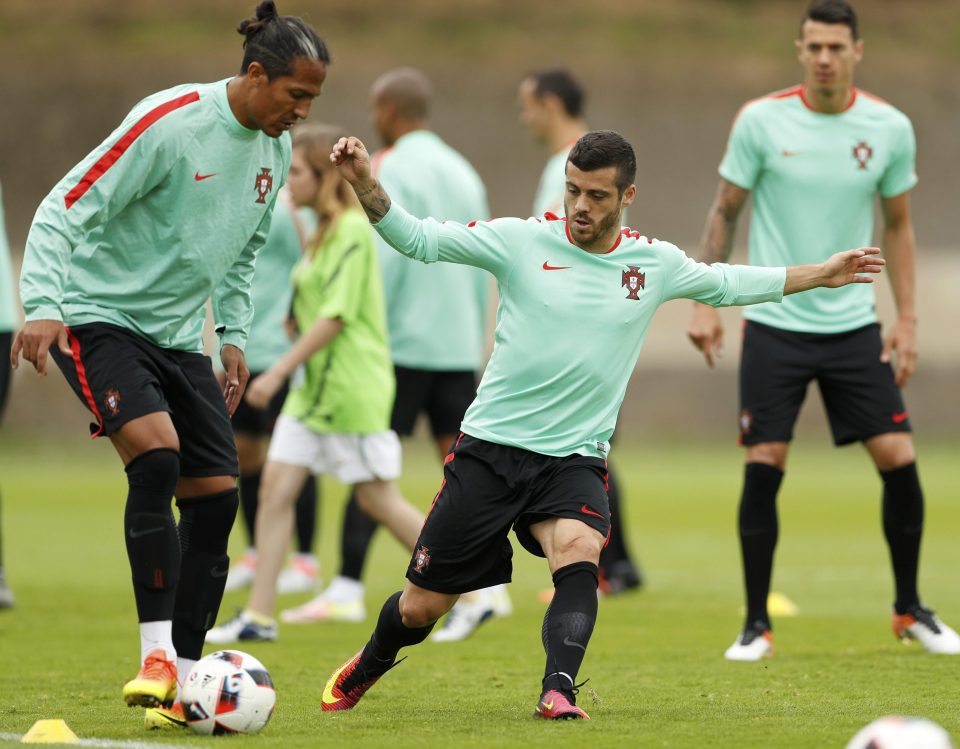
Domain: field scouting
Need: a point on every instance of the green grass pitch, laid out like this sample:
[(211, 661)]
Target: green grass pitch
[(657, 676)]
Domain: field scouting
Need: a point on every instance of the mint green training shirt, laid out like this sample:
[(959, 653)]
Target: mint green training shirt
[(436, 315), (570, 324), (814, 179), (8, 308), (167, 212), (272, 291)]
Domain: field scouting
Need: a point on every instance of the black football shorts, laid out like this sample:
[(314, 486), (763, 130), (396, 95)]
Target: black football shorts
[(859, 392), (443, 396), (488, 489), (120, 376)]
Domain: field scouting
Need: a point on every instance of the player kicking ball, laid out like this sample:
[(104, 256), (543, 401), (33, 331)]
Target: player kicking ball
[(576, 299)]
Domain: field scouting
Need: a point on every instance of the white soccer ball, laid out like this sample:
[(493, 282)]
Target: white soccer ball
[(901, 732), (228, 692)]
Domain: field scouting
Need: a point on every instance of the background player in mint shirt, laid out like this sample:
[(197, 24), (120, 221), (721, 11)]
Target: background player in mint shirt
[(436, 362), (816, 157), (8, 322), (551, 108), (120, 260), (336, 417), (576, 299)]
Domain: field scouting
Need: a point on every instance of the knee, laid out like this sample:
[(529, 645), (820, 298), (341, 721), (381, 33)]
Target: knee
[(769, 453), (423, 609), (205, 522), (582, 547), (156, 470)]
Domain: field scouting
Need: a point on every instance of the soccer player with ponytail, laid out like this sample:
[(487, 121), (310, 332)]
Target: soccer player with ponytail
[(124, 252)]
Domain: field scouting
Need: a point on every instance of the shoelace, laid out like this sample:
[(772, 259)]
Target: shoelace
[(155, 666)]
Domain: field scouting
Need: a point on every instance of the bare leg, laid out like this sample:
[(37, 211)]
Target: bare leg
[(382, 501)]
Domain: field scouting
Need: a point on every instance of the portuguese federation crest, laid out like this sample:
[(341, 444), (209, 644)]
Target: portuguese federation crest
[(111, 400), (633, 279), (264, 184), (421, 560), (862, 153)]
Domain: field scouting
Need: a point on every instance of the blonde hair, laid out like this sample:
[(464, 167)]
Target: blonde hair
[(334, 194)]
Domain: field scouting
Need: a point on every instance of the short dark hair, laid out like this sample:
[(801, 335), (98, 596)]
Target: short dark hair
[(560, 83), (276, 41), (602, 148), (832, 11)]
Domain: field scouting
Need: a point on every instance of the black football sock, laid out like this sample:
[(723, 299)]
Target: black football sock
[(903, 527), (150, 531), (759, 529), (306, 510), (391, 635), (568, 624), (205, 524), (358, 528), (249, 496)]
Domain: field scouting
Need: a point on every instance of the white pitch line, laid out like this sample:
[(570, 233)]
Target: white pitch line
[(107, 743)]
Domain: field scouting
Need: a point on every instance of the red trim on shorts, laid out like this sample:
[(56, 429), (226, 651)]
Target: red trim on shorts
[(126, 140), (84, 383), (432, 504)]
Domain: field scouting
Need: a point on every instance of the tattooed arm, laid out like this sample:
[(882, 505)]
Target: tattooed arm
[(353, 162), (705, 330)]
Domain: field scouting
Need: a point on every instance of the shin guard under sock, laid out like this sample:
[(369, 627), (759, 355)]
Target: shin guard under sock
[(759, 529), (568, 623), (150, 532), (391, 634), (205, 524), (903, 528)]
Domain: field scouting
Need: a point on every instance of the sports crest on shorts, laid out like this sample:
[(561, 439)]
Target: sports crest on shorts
[(421, 560), (111, 400)]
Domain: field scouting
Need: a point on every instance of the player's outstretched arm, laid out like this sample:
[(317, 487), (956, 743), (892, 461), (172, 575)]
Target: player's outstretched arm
[(849, 266), (353, 161)]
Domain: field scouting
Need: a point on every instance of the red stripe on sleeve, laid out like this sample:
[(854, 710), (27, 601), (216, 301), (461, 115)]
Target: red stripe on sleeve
[(117, 150), (84, 383)]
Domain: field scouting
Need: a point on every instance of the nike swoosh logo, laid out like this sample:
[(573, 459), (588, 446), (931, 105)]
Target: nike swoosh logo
[(137, 534), (900, 417), (328, 697), (587, 511), (787, 154), (571, 643), (547, 266), (547, 705), (200, 177)]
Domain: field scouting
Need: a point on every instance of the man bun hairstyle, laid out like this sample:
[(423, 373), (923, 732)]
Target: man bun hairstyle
[(560, 82), (276, 41), (833, 11), (600, 149)]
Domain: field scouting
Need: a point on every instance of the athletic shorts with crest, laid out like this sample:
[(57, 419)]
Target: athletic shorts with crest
[(120, 376), (488, 489), (859, 391)]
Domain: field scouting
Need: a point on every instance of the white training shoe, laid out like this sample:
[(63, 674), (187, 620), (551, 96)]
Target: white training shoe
[(925, 627), (241, 572), (470, 612), (324, 609), (500, 600), (301, 575), (242, 628), (752, 644)]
